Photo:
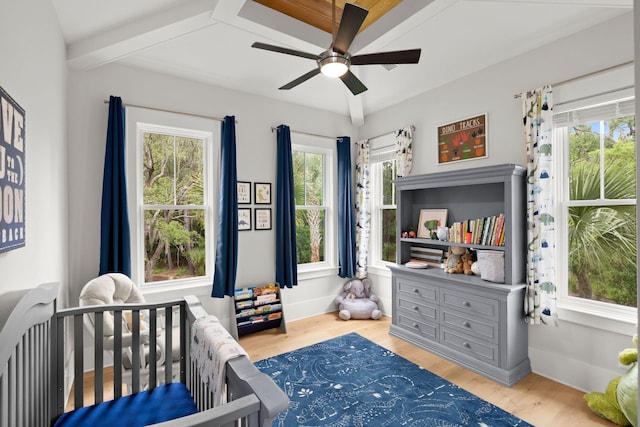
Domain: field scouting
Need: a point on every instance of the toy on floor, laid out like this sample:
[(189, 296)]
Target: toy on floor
[(618, 403), (357, 301)]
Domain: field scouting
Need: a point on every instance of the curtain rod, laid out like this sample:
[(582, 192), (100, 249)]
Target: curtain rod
[(273, 129), (382, 134), (592, 73), (202, 116)]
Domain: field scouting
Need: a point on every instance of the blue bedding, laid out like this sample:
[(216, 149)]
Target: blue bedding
[(164, 403)]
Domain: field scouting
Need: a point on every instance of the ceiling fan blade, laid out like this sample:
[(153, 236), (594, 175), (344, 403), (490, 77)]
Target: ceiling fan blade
[(393, 57), (301, 79), (285, 50), (353, 83), (352, 18)]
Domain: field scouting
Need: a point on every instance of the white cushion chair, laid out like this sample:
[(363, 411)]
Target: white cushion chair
[(117, 288)]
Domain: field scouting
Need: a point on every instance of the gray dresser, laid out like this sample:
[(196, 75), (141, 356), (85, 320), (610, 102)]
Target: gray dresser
[(473, 322)]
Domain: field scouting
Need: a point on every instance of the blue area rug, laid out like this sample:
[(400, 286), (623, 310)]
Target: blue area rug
[(351, 381)]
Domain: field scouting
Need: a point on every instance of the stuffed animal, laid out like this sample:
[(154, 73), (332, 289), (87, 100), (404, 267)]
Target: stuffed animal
[(357, 301), (467, 263), (454, 260), (618, 403)]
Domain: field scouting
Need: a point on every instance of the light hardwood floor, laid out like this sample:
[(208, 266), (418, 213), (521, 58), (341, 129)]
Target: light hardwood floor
[(535, 399)]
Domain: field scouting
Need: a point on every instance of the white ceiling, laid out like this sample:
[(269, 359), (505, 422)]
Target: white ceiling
[(210, 41)]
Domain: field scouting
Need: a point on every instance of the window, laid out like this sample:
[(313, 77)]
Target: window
[(309, 174), (598, 203), (383, 200), (173, 232)]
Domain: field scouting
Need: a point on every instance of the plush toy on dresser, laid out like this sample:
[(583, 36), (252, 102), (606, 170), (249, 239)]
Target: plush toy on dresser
[(454, 264), (357, 301)]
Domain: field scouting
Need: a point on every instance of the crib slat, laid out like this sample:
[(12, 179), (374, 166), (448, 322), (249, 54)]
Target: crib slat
[(12, 386), (117, 354), (168, 328), (153, 342), (30, 392), (57, 352), (4, 397), (98, 359), (135, 352), (78, 351)]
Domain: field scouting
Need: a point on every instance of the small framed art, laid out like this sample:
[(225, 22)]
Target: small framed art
[(244, 193), (262, 193), (430, 220), (244, 219), (262, 218)]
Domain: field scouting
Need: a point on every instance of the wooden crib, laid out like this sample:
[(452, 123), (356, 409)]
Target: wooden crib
[(33, 340)]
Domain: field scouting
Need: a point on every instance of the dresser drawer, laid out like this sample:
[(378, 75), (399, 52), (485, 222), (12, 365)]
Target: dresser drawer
[(485, 352), (470, 304), (418, 325), (418, 291), (479, 328), (418, 309)]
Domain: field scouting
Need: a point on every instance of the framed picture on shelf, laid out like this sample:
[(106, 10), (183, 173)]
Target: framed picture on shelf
[(262, 193), (463, 140), (244, 219), (262, 218), (244, 193), (430, 220)]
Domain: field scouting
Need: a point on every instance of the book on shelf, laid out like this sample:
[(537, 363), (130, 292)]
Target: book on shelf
[(486, 231)]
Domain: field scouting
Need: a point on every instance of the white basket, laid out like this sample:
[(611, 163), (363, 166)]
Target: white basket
[(491, 266)]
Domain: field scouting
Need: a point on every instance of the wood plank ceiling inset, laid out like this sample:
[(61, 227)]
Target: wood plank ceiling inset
[(318, 13)]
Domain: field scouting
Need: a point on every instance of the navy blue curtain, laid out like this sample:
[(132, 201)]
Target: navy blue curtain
[(224, 279), (286, 254), (115, 242), (346, 217)]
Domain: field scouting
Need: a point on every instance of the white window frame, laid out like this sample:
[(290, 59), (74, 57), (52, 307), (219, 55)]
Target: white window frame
[(140, 121), (597, 314), (315, 145), (381, 149)]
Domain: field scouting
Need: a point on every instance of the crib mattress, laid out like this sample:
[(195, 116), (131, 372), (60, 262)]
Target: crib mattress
[(164, 403)]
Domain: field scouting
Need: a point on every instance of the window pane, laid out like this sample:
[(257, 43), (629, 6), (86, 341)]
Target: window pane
[(298, 177), (173, 173), (310, 237), (620, 158), (189, 171), (388, 175), (602, 253), (584, 161), (388, 235), (158, 169), (313, 179), (174, 242)]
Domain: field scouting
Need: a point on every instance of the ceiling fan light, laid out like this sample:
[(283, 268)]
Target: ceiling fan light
[(334, 65)]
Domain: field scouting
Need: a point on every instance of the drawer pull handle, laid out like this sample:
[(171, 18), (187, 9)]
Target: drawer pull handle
[(415, 325), (416, 308), (466, 345), (466, 303), (416, 290), (466, 324)]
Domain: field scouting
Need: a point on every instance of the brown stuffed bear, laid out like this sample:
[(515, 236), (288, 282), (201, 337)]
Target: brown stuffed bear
[(467, 262)]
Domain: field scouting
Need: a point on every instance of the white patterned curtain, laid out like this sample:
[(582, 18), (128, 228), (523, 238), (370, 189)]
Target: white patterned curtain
[(404, 150), (540, 299), (363, 208)]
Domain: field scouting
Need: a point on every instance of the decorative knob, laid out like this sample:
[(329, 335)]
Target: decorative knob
[(466, 324), (415, 325), (416, 290), (466, 345), (466, 303), (416, 308)]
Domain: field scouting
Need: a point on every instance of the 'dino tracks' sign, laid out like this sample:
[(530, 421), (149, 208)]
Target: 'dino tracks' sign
[(12, 173)]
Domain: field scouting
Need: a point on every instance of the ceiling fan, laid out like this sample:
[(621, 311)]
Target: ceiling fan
[(335, 61)]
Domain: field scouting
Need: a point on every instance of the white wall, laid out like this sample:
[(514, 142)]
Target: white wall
[(581, 356), (33, 72), (256, 161)]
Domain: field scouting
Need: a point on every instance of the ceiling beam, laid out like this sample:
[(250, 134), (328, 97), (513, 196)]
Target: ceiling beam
[(134, 37)]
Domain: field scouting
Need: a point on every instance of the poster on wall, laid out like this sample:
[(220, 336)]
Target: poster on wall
[(463, 140), (12, 173)]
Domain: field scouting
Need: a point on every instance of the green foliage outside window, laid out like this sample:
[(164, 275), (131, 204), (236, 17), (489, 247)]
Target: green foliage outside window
[(174, 223), (602, 236), (308, 179)]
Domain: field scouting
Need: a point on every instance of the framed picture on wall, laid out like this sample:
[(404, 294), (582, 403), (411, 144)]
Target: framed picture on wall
[(244, 193), (463, 140), (244, 219), (262, 218), (262, 193), (430, 220)]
